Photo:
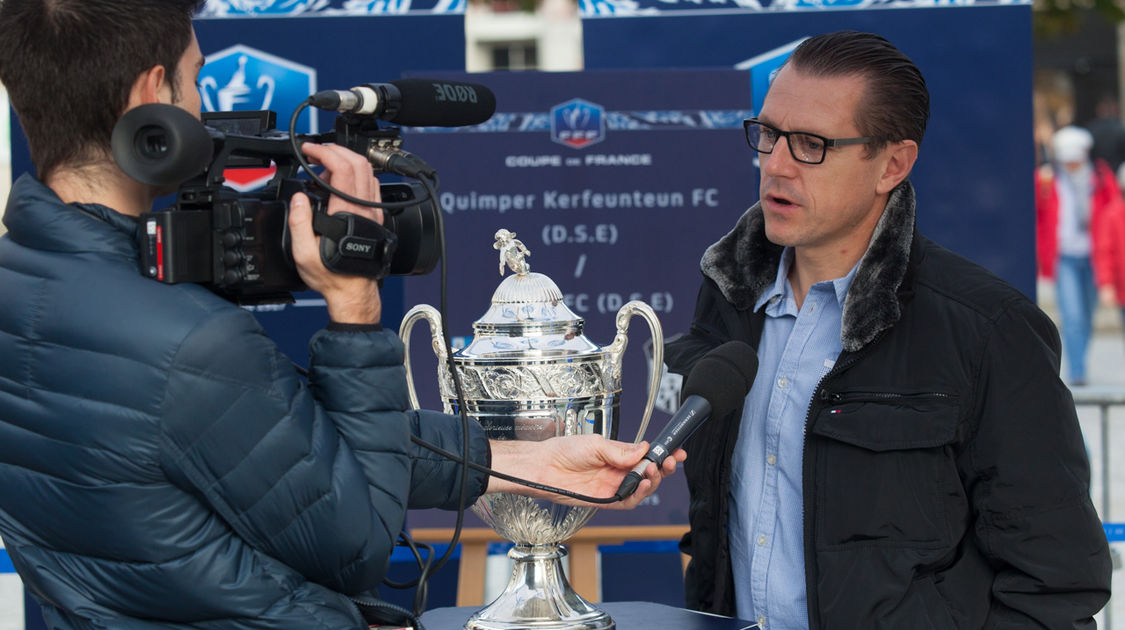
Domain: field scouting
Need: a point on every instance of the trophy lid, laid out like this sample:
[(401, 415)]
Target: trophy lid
[(527, 315)]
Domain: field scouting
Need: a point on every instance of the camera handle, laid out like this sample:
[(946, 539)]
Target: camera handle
[(354, 245), (350, 244)]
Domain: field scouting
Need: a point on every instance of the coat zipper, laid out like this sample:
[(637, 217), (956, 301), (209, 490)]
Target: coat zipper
[(836, 399), (842, 363)]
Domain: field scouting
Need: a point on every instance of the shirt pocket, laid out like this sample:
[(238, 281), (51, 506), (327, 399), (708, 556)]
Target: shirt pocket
[(884, 471)]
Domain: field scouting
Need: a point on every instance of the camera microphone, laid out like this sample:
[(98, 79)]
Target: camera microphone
[(715, 387), (414, 102)]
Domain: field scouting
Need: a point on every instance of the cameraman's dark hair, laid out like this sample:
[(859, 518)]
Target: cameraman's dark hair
[(68, 66), (896, 103)]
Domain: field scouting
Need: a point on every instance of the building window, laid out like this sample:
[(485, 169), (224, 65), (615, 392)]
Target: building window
[(514, 56)]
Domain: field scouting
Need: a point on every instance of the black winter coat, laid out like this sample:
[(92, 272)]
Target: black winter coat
[(946, 483)]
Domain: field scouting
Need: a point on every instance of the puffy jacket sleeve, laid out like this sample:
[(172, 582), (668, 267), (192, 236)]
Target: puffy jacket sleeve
[(1029, 483), (317, 476), (342, 387)]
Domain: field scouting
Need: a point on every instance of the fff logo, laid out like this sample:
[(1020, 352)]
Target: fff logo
[(241, 78), (578, 123)]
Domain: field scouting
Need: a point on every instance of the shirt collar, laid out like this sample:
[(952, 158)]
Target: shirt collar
[(780, 288)]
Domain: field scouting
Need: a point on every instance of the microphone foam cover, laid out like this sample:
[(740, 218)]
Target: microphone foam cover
[(723, 377), (441, 103)]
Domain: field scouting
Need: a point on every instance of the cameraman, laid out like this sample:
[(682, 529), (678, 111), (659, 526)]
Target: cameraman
[(161, 462)]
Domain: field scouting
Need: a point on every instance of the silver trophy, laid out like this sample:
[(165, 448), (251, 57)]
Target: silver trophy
[(530, 374)]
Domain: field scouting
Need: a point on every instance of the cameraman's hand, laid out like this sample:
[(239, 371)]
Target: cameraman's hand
[(586, 464), (350, 299)]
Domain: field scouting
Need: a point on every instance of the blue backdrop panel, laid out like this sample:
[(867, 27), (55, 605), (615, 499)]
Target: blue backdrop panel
[(974, 176), (615, 181)]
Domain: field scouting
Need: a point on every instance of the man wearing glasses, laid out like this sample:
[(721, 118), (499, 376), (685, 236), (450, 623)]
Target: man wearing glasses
[(907, 456)]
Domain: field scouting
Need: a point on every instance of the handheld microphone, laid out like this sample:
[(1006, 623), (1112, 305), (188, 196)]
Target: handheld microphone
[(716, 386), (414, 102)]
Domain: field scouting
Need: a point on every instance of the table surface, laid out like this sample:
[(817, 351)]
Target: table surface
[(627, 616)]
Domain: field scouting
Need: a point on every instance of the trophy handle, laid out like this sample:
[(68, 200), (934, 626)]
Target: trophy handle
[(431, 315), (636, 307)]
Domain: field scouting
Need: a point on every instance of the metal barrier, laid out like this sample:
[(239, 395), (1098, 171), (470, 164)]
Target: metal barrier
[(1105, 397)]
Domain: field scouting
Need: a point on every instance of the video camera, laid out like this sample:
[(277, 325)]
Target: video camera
[(237, 244)]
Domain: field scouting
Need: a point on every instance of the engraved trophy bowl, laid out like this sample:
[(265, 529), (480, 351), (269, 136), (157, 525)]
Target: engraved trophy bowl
[(530, 374)]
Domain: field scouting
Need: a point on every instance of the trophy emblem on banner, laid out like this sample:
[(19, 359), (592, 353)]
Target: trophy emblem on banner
[(530, 374)]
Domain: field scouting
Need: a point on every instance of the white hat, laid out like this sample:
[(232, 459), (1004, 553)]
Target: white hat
[(1072, 144)]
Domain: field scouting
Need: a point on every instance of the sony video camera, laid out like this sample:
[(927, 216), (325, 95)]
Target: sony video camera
[(237, 243)]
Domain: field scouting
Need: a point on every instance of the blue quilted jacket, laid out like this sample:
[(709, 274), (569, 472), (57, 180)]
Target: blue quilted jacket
[(162, 464)]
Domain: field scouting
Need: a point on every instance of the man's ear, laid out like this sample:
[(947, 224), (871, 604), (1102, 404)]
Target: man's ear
[(150, 86), (900, 157)]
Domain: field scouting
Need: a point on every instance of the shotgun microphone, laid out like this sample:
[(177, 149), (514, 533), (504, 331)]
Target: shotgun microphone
[(414, 102)]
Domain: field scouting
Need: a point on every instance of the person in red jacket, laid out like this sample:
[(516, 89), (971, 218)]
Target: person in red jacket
[(1109, 256), (1073, 195)]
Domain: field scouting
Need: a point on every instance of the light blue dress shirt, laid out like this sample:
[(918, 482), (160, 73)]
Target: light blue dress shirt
[(766, 521)]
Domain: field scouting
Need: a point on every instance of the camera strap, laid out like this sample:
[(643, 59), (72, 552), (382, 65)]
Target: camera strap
[(354, 245)]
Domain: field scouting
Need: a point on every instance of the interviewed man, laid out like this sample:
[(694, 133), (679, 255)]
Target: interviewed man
[(907, 456)]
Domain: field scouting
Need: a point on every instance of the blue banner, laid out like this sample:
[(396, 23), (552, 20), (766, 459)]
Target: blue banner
[(626, 8), (325, 8), (615, 182)]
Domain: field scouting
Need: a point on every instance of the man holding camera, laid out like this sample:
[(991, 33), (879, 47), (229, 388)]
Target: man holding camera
[(162, 464)]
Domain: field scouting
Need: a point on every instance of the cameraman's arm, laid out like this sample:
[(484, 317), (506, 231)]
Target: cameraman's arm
[(350, 299)]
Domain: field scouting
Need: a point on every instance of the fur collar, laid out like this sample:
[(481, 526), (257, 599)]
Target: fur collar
[(743, 264)]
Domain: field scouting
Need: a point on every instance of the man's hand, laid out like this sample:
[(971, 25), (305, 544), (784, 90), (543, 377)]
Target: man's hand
[(350, 299), (585, 464)]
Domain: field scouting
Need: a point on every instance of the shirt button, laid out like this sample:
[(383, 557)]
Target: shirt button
[(771, 459), (761, 541), (783, 382)]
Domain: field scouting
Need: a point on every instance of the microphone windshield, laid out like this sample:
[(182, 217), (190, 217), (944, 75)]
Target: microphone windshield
[(723, 377), (441, 103)]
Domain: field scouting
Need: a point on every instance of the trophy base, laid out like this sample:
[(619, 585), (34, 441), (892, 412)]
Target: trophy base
[(538, 597)]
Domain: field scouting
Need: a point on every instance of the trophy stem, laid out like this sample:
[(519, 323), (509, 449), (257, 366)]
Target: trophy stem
[(539, 597)]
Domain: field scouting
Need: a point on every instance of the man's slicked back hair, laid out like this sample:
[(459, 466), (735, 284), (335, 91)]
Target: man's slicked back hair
[(896, 103), (68, 66)]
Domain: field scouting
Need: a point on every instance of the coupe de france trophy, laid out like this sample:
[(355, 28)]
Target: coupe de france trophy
[(530, 374)]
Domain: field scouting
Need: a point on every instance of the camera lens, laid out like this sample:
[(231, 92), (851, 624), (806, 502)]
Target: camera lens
[(417, 230)]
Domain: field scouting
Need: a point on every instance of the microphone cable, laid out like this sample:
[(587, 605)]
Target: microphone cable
[(391, 207), (426, 566)]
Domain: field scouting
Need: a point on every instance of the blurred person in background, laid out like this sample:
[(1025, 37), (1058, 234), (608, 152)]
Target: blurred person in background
[(1109, 256), (1072, 194), (1108, 133)]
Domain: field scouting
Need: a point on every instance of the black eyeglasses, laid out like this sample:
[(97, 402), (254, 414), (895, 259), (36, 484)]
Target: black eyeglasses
[(803, 146)]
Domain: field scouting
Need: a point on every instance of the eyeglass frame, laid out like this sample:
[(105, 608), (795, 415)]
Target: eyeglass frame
[(828, 142)]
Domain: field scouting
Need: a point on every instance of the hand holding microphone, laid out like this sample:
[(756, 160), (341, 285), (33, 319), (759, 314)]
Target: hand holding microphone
[(716, 386)]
